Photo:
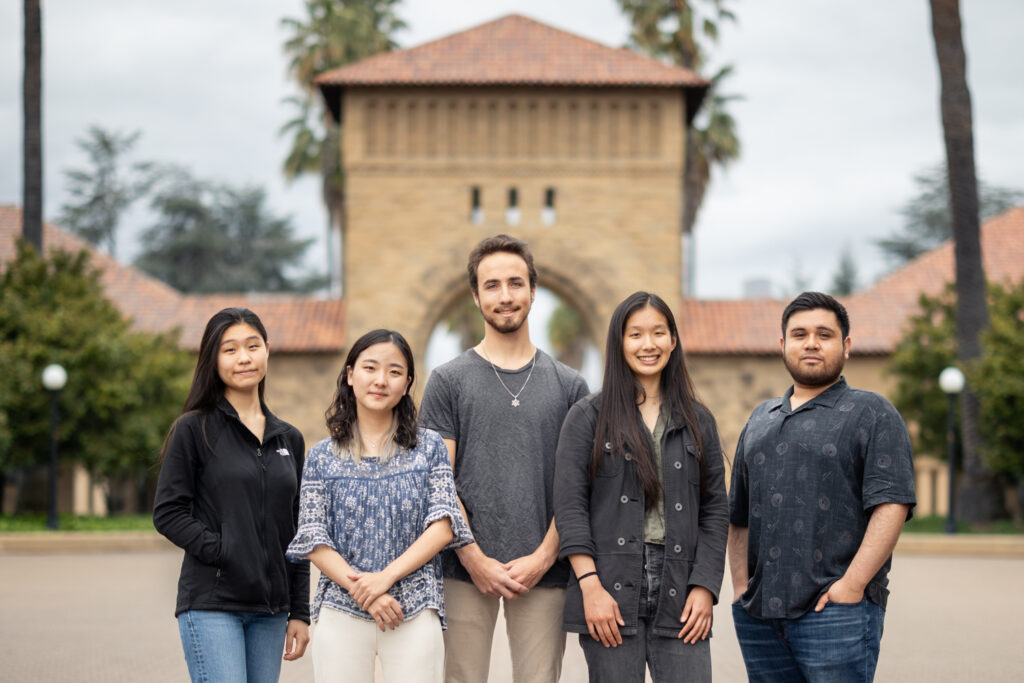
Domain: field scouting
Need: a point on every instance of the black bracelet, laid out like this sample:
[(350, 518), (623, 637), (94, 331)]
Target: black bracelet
[(580, 578)]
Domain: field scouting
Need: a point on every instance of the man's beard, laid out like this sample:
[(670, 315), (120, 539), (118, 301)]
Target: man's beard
[(506, 325), (823, 375)]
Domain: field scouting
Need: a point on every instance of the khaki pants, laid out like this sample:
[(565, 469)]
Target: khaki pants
[(533, 622), (345, 649)]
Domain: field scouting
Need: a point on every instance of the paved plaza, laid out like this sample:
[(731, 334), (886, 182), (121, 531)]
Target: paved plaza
[(108, 616)]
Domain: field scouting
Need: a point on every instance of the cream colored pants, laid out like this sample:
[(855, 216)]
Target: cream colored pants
[(533, 623), (345, 647)]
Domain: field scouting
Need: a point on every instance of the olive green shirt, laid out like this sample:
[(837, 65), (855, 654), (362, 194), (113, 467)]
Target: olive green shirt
[(654, 519)]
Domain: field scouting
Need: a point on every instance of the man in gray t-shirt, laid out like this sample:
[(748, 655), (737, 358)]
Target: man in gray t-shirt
[(822, 483), (499, 408)]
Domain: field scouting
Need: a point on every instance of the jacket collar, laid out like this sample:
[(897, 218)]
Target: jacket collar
[(273, 427)]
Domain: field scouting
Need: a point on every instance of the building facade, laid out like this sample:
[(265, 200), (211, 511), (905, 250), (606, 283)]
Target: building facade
[(511, 127)]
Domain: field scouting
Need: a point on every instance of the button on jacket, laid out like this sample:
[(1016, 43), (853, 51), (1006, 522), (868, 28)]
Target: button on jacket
[(232, 503), (604, 518)]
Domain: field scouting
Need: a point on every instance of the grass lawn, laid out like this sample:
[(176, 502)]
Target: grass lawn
[(937, 525), (37, 522)]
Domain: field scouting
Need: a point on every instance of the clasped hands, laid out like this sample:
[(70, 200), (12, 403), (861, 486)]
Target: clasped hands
[(370, 591), (507, 579)]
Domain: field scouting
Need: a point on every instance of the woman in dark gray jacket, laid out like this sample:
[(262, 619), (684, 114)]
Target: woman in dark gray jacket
[(641, 508), (228, 494)]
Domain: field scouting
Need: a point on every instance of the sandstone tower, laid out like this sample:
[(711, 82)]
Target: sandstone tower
[(517, 127)]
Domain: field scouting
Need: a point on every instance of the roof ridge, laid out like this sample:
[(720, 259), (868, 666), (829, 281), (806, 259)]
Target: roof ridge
[(532, 52)]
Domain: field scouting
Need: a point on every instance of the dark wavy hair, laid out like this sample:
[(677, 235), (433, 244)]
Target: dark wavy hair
[(341, 414), (618, 420), (207, 386), (809, 301), (493, 245)]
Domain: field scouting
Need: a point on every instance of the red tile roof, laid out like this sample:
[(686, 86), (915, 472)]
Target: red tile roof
[(512, 50), (741, 327), (294, 323), (877, 315)]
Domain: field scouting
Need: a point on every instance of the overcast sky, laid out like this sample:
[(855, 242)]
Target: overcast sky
[(839, 110)]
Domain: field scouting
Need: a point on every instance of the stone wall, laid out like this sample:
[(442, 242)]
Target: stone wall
[(300, 386), (596, 176)]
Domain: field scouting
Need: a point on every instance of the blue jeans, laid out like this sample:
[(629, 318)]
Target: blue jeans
[(232, 647), (670, 659), (840, 643)]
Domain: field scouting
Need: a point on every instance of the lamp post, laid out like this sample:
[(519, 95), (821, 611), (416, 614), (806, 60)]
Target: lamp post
[(54, 379), (951, 381)]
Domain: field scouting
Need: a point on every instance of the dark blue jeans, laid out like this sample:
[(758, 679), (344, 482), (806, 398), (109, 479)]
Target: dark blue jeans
[(670, 659), (840, 643)]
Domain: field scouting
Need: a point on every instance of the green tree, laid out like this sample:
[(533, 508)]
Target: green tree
[(332, 33), (124, 388), (214, 238), (102, 193), (980, 498), (32, 138), (927, 222), (928, 345), (567, 335), (665, 29), (997, 378), (844, 282)]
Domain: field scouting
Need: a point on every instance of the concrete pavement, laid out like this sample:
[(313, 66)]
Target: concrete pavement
[(108, 616)]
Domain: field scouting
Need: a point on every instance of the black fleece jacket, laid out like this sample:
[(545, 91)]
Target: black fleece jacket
[(232, 504)]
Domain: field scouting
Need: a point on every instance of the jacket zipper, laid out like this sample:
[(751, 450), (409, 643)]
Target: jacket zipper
[(263, 524)]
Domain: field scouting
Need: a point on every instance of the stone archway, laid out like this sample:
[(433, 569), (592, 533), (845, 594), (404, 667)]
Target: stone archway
[(554, 279)]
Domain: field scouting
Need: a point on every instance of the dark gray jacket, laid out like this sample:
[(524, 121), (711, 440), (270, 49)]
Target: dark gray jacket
[(604, 518)]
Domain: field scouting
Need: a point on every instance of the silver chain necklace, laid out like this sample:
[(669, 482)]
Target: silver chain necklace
[(515, 396)]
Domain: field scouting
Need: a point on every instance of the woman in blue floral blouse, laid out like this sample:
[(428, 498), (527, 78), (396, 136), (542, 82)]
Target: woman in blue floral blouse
[(377, 505)]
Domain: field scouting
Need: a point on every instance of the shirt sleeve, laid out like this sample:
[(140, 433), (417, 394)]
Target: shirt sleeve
[(739, 497), (572, 484), (176, 490), (441, 499), (437, 411), (313, 514), (713, 519), (888, 459), (580, 390), (298, 570)]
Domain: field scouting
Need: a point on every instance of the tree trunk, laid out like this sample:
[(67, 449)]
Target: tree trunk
[(980, 498), (32, 182)]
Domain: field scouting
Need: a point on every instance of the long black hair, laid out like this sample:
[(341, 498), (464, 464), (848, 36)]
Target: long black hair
[(207, 386), (341, 414), (618, 420)]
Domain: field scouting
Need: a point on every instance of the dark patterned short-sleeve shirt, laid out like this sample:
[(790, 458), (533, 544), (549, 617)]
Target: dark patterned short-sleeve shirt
[(804, 482)]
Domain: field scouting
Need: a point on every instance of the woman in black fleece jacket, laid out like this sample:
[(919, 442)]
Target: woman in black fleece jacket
[(228, 494)]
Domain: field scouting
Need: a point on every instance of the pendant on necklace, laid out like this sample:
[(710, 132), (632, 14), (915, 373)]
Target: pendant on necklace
[(515, 402)]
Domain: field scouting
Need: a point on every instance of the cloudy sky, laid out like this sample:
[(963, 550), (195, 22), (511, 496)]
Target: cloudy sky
[(839, 110)]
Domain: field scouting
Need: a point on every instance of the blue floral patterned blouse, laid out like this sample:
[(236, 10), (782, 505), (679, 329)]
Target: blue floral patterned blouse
[(371, 513)]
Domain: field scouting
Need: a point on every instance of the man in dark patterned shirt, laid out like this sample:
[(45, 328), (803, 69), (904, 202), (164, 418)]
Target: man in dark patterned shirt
[(822, 483)]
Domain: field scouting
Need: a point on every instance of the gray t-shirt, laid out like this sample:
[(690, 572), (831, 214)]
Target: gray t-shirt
[(804, 482), (504, 454)]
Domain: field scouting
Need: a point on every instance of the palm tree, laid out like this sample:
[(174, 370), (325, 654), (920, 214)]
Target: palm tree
[(979, 498), (665, 30), (332, 33), (32, 197)]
